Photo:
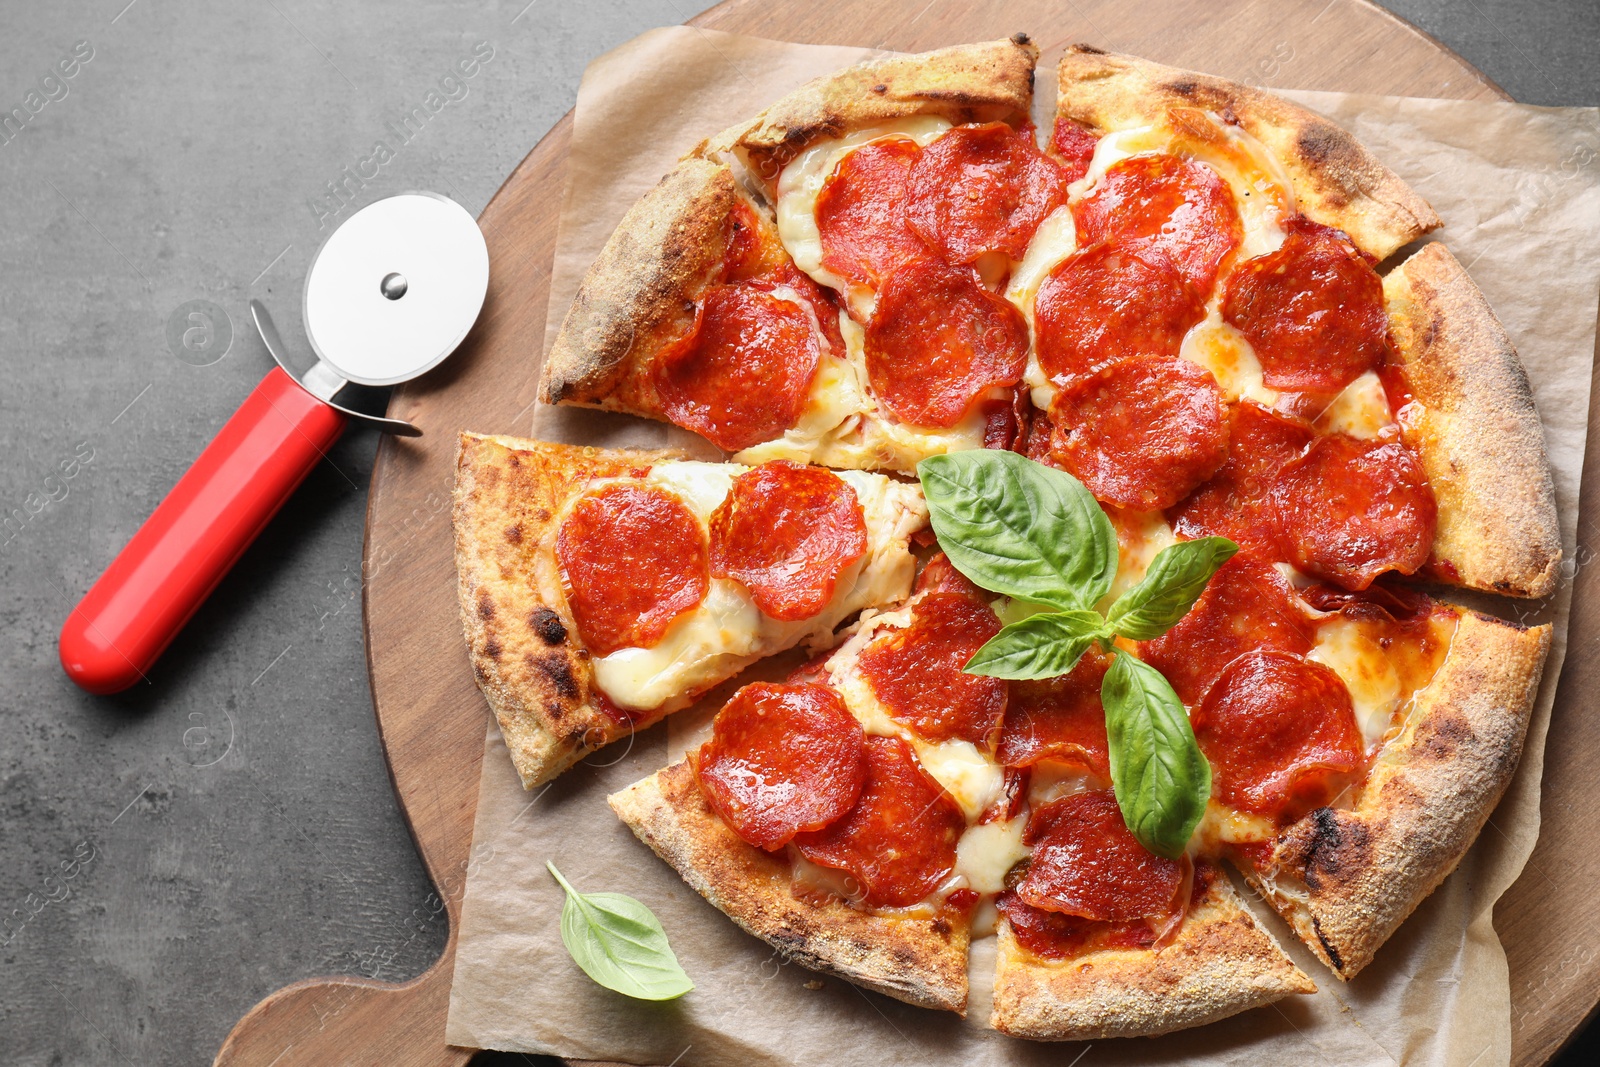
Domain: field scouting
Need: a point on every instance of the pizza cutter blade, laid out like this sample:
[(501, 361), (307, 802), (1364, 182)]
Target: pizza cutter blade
[(389, 295)]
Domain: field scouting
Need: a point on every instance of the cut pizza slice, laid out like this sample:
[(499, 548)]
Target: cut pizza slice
[(1212, 339), (601, 590), (716, 304), (882, 808), (1061, 977), (1357, 741)]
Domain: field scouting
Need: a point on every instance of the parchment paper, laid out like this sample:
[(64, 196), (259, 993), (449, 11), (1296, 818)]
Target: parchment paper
[(1517, 187)]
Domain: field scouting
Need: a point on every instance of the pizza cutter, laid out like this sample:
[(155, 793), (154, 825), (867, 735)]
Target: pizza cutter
[(389, 295)]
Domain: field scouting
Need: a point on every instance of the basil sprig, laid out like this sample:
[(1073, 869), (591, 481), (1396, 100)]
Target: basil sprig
[(1032, 533), (1154, 759), (620, 944), (1020, 529)]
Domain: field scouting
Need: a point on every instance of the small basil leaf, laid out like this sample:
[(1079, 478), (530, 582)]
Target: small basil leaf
[(1020, 528), (620, 944), (1160, 777), (1040, 646), (1175, 580)]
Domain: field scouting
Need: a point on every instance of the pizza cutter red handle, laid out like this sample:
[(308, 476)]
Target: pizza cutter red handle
[(130, 615)]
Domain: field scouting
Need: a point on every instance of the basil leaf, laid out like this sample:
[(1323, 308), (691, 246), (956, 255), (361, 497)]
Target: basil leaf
[(620, 944), (1160, 777), (1040, 646), (1175, 580), (1020, 528)]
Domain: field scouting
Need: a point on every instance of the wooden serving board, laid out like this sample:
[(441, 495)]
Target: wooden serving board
[(431, 715)]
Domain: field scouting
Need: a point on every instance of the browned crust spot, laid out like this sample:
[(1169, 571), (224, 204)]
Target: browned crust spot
[(991, 81), (534, 673), (1346, 879), (1220, 964), (1477, 431), (1337, 182), (917, 960), (639, 295)]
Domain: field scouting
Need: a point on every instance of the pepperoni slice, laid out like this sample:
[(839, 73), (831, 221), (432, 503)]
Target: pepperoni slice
[(1280, 734), (1180, 206), (1053, 935), (1312, 310), (786, 532), (1106, 303), (1086, 863), (633, 558), (1247, 605), (743, 373), (1006, 420), (1383, 602), (1234, 502), (1041, 431), (861, 213), (1059, 719), (1349, 510), (899, 841), (1142, 432), (814, 670), (786, 275), (782, 759), (1074, 145), (939, 575), (753, 249), (1013, 796), (916, 673), (980, 189), (938, 341)]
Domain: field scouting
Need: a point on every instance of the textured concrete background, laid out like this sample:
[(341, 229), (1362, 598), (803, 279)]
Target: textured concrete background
[(169, 857)]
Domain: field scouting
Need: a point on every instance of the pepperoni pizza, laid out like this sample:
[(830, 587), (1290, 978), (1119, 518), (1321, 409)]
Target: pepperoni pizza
[(1202, 302)]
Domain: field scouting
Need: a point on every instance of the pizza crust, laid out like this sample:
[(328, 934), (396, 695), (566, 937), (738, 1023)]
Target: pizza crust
[(1476, 430), (1346, 879), (640, 292), (524, 648), (1337, 182), (920, 961), (987, 82), (1220, 964)]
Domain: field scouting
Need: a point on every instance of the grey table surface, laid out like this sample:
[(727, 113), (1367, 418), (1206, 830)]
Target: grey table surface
[(170, 856)]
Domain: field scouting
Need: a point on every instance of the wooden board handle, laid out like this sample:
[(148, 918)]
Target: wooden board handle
[(349, 1020)]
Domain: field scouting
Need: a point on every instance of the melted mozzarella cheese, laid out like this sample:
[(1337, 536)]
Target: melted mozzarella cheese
[(1214, 345), (974, 780), (801, 181), (727, 631), (1140, 535), (1054, 240), (1360, 410), (1052, 780), (825, 882), (1361, 663), (1222, 824), (986, 852)]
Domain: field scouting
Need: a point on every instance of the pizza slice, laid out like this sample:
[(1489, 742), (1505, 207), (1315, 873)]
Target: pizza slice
[(601, 590), (718, 303), (1212, 339), (882, 808), (1357, 741)]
